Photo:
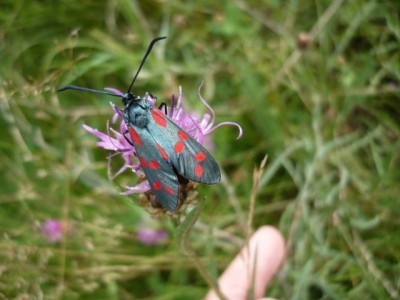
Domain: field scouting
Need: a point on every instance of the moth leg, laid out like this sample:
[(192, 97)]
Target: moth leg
[(127, 138), (162, 106), (151, 95)]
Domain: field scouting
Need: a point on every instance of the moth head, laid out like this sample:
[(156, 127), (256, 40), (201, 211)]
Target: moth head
[(129, 97)]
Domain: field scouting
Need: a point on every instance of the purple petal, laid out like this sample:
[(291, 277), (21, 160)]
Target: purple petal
[(230, 124), (180, 98), (118, 113), (150, 98), (206, 104), (115, 91), (139, 188), (171, 111), (105, 140)]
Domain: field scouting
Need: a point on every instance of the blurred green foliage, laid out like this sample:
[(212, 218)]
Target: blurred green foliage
[(315, 85)]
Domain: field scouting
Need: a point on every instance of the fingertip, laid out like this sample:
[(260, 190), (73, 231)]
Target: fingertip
[(271, 237), (268, 246), (265, 253)]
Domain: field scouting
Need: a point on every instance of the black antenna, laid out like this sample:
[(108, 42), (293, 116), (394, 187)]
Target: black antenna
[(144, 58), (74, 87)]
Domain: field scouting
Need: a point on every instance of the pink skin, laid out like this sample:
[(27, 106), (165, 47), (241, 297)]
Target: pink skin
[(266, 252)]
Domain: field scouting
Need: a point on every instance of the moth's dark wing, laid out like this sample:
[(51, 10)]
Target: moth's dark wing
[(159, 171), (189, 158), (196, 163)]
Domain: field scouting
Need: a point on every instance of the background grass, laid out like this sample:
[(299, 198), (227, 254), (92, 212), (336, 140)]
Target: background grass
[(315, 85)]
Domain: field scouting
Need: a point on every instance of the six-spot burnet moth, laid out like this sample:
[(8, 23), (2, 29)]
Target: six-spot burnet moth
[(168, 155)]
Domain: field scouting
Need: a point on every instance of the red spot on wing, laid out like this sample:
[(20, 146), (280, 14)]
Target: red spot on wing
[(162, 151), (134, 135), (160, 120), (169, 190), (198, 170), (179, 147), (153, 164), (143, 162), (182, 135), (200, 156), (157, 185)]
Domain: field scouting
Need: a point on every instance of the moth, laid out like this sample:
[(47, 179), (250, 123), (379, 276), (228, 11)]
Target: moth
[(168, 155)]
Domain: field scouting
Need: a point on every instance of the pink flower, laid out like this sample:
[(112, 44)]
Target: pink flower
[(197, 127), (53, 230), (150, 236)]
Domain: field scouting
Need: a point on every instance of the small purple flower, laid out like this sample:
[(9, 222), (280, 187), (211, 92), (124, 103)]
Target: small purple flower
[(149, 236), (197, 127), (53, 230)]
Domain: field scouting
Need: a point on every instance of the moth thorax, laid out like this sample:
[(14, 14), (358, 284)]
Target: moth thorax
[(141, 121)]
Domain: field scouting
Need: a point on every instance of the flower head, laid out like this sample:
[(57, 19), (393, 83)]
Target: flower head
[(54, 230), (148, 236), (149, 232), (197, 127)]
